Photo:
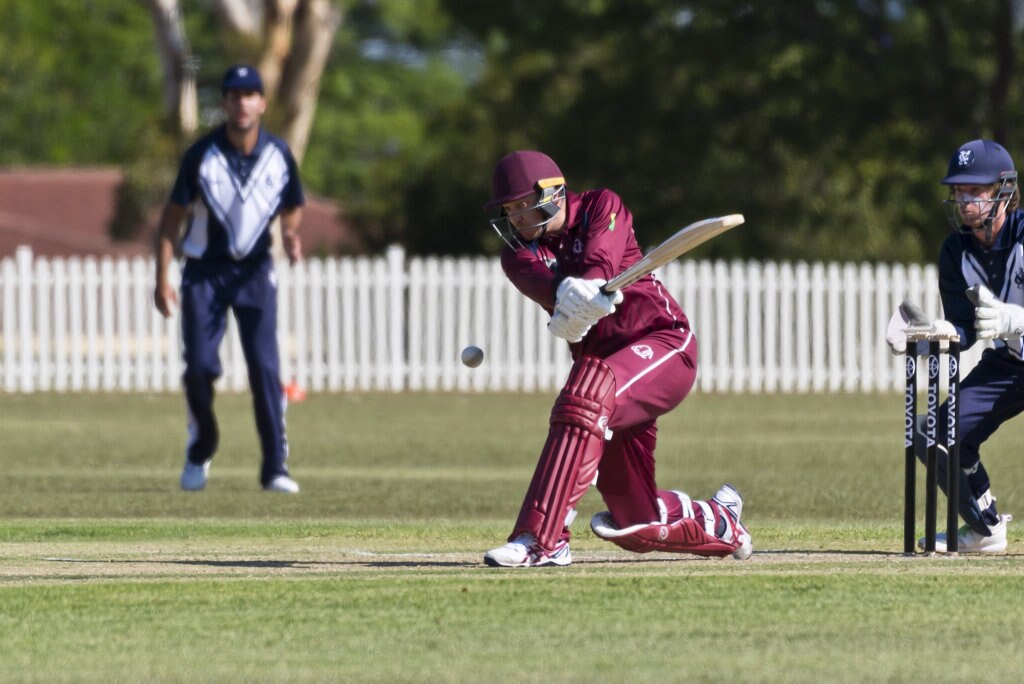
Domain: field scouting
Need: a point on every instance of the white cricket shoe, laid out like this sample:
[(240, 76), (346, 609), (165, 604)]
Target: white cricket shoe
[(524, 552), (730, 499), (193, 477), (284, 484), (969, 541)]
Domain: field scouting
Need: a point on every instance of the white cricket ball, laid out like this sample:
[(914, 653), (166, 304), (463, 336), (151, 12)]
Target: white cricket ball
[(472, 356)]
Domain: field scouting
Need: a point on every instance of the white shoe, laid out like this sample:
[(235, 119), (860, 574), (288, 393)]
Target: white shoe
[(969, 541), (730, 499), (524, 552), (193, 477), (282, 483)]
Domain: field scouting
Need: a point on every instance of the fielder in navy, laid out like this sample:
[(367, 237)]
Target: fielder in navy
[(634, 359), (235, 181), (985, 249)]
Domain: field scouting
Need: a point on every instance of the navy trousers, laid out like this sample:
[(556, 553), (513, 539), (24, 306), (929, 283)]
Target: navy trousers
[(249, 289), (990, 395)]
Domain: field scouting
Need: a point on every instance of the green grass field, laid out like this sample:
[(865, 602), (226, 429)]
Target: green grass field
[(374, 572)]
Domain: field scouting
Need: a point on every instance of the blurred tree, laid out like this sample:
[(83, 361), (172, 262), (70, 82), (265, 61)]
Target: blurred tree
[(78, 84), (828, 124), (395, 68), (287, 40)]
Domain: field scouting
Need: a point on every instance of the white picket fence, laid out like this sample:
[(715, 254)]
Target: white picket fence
[(398, 323)]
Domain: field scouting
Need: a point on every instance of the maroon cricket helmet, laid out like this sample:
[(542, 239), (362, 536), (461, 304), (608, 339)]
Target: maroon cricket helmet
[(521, 173)]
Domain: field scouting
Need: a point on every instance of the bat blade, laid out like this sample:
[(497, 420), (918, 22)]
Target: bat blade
[(671, 249)]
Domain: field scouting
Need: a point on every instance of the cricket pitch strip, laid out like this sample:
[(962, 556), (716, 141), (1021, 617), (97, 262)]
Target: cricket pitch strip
[(75, 562)]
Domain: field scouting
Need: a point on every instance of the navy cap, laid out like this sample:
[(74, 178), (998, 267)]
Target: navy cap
[(978, 162), (242, 77)]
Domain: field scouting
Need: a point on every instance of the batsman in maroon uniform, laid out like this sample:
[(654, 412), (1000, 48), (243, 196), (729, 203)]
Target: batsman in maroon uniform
[(635, 359)]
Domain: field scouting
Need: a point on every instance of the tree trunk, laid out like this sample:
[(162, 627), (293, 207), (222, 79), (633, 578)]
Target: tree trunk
[(292, 51), (180, 100), (316, 22), (277, 42)]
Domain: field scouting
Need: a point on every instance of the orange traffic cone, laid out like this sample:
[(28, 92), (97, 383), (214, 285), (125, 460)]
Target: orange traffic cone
[(294, 392)]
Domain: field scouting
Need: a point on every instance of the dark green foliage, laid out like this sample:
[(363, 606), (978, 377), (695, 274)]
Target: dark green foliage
[(828, 124), (79, 81)]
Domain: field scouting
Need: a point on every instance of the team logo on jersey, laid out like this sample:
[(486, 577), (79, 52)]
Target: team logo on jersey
[(1018, 278), (643, 351), (577, 246), (965, 158), (611, 223)]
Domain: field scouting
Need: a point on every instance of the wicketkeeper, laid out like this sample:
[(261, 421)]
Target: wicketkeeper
[(985, 250), (635, 359)]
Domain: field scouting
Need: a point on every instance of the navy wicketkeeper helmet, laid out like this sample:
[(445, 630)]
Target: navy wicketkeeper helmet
[(981, 162)]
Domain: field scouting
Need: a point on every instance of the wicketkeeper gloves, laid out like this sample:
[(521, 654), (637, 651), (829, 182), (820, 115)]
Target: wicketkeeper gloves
[(996, 318), (899, 326)]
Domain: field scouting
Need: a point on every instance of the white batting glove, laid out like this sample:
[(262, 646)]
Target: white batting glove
[(570, 328), (996, 318), (583, 298)]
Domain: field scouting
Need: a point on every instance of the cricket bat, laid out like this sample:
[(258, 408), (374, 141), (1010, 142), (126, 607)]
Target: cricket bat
[(686, 239)]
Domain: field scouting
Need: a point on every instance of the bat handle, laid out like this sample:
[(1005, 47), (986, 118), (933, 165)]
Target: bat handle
[(609, 289)]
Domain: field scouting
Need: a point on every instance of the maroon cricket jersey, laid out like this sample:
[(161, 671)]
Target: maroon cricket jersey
[(597, 242)]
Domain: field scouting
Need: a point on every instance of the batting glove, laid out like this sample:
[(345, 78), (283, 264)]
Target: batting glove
[(570, 328), (583, 298), (996, 318)]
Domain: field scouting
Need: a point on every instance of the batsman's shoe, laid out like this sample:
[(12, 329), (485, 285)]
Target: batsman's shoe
[(193, 477), (524, 552), (283, 484), (729, 498), (969, 541)]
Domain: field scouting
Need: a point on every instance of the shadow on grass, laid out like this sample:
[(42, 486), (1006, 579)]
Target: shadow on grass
[(267, 563), (823, 554)]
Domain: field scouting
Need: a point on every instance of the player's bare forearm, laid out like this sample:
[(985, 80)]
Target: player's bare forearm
[(291, 219), (164, 296)]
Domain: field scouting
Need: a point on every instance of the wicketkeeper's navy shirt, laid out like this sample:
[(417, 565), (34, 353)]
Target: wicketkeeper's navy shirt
[(238, 195), (963, 262)]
